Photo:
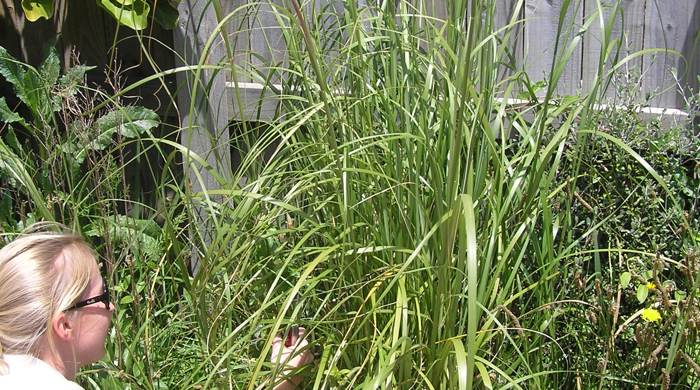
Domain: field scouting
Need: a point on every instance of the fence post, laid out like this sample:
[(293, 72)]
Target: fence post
[(204, 122)]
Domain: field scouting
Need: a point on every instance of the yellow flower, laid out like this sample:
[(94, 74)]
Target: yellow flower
[(651, 315), (651, 285)]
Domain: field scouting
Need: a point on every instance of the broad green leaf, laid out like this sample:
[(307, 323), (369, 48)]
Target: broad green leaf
[(35, 96), (642, 293), (130, 122), (625, 279), (134, 16), (50, 68), (28, 85), (49, 71), (140, 233), (16, 169), (13, 143), (11, 69), (679, 295), (126, 300), (166, 15), (7, 115), (36, 9), (73, 78)]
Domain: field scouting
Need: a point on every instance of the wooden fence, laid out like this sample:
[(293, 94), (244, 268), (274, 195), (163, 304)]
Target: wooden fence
[(668, 32)]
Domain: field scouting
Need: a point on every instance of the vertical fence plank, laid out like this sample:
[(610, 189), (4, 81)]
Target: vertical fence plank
[(542, 18), (633, 13), (627, 29), (510, 12), (666, 27), (205, 127), (266, 52), (238, 32), (435, 8), (690, 68), (268, 44)]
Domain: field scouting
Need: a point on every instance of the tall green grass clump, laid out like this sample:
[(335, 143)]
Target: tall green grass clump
[(402, 210)]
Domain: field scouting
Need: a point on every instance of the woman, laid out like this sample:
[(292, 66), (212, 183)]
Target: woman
[(55, 312)]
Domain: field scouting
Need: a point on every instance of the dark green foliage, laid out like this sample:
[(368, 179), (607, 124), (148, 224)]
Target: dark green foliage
[(642, 255), (44, 153)]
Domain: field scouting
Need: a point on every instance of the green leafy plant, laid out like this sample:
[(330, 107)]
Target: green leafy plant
[(134, 14), (53, 164)]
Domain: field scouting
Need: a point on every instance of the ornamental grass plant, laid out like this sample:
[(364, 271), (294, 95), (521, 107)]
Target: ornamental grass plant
[(426, 232)]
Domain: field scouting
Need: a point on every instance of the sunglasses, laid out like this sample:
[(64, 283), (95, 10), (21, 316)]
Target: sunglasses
[(104, 298)]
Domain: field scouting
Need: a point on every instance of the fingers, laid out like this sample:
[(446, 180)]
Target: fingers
[(292, 352)]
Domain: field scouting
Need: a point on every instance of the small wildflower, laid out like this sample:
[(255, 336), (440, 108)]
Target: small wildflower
[(651, 315), (651, 285)]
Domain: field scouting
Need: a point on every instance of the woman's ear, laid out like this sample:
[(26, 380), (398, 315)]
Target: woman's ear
[(62, 326)]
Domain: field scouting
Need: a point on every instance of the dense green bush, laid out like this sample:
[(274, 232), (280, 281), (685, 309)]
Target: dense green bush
[(642, 253)]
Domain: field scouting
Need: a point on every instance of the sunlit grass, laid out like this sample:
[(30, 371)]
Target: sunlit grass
[(398, 207)]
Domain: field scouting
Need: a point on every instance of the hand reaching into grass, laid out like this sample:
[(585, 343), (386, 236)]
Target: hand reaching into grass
[(292, 353)]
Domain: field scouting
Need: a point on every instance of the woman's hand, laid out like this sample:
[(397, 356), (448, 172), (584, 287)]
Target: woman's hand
[(290, 352)]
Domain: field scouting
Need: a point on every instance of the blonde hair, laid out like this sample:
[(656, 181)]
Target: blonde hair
[(42, 273)]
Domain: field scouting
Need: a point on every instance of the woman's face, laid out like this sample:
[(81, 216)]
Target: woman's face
[(93, 323)]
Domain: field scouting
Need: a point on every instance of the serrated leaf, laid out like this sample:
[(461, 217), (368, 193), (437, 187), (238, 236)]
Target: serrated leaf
[(134, 16), (642, 293), (130, 122), (625, 279), (36, 9), (7, 115), (141, 234), (74, 77), (11, 69), (49, 71), (50, 68), (28, 86)]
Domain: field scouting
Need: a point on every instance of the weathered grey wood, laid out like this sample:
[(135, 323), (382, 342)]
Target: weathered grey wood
[(238, 29), (540, 36), (268, 46), (259, 52), (633, 14), (627, 30), (666, 27), (510, 13), (205, 127), (436, 9), (690, 68), (531, 43)]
